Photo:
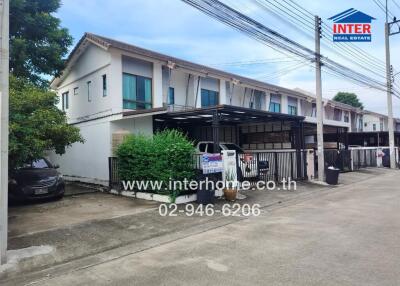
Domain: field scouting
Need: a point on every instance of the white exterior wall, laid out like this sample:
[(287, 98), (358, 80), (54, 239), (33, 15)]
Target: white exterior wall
[(87, 162), (139, 125), (92, 64), (370, 120)]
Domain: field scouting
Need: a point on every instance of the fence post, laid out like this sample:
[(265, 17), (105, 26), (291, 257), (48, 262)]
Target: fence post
[(110, 172), (276, 166), (291, 165), (365, 158)]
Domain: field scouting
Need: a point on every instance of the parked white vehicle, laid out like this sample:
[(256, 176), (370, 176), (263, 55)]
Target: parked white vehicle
[(249, 167)]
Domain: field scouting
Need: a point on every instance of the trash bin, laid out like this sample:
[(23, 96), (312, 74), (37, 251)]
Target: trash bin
[(332, 175)]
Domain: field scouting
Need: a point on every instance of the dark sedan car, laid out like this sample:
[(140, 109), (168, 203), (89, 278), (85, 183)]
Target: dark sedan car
[(36, 180)]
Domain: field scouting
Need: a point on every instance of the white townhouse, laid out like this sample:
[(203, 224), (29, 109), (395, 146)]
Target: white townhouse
[(374, 121), (110, 88)]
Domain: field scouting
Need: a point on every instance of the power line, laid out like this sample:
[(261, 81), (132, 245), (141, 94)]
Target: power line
[(395, 3), (348, 46), (254, 62), (363, 64), (275, 40)]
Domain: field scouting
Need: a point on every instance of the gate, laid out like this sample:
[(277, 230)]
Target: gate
[(363, 158), (340, 159), (272, 166), (113, 177)]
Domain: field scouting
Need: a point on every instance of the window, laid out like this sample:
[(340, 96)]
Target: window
[(202, 147), (314, 110), (136, 91), (209, 98), (104, 77), (171, 96), (292, 105), (37, 164), (257, 98), (275, 103), (89, 96), (346, 117), (360, 124), (374, 127), (381, 124), (292, 110), (210, 148), (76, 89), (337, 114), (275, 107), (65, 101)]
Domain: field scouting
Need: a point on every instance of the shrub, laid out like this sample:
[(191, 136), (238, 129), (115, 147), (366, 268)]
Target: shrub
[(164, 156)]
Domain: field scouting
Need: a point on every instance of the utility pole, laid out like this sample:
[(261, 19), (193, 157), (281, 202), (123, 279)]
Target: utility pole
[(4, 22), (389, 93), (320, 124)]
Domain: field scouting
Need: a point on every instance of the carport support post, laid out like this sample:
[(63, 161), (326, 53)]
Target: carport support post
[(320, 127), (4, 8), (215, 129)]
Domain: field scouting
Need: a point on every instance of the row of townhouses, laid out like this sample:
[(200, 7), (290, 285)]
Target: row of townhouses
[(110, 89)]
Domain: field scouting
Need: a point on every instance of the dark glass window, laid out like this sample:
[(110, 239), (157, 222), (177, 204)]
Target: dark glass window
[(37, 164), (136, 92), (257, 99), (89, 95), (202, 147), (171, 96), (210, 148), (274, 107), (292, 110), (209, 98), (346, 117), (65, 100), (314, 110), (104, 77)]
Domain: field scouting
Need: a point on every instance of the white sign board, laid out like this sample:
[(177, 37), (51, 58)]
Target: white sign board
[(212, 163)]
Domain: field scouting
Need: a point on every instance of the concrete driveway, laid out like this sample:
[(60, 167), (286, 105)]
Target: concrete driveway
[(347, 235), (80, 204)]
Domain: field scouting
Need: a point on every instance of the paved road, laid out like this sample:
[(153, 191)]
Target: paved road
[(349, 236)]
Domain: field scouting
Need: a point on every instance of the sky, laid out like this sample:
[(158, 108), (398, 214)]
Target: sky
[(177, 29)]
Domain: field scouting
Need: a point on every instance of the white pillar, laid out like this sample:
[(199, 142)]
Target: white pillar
[(299, 111), (157, 86), (284, 104), (267, 100), (222, 92), (115, 82)]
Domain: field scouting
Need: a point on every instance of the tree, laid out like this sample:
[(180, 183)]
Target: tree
[(36, 124), (37, 42), (348, 98)]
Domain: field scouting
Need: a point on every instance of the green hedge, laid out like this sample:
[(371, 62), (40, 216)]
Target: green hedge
[(165, 155)]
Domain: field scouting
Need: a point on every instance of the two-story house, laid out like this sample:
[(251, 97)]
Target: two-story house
[(110, 88)]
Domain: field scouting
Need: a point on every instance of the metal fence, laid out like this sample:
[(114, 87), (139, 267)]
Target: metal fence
[(113, 177), (265, 166), (273, 166), (363, 158), (340, 159)]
